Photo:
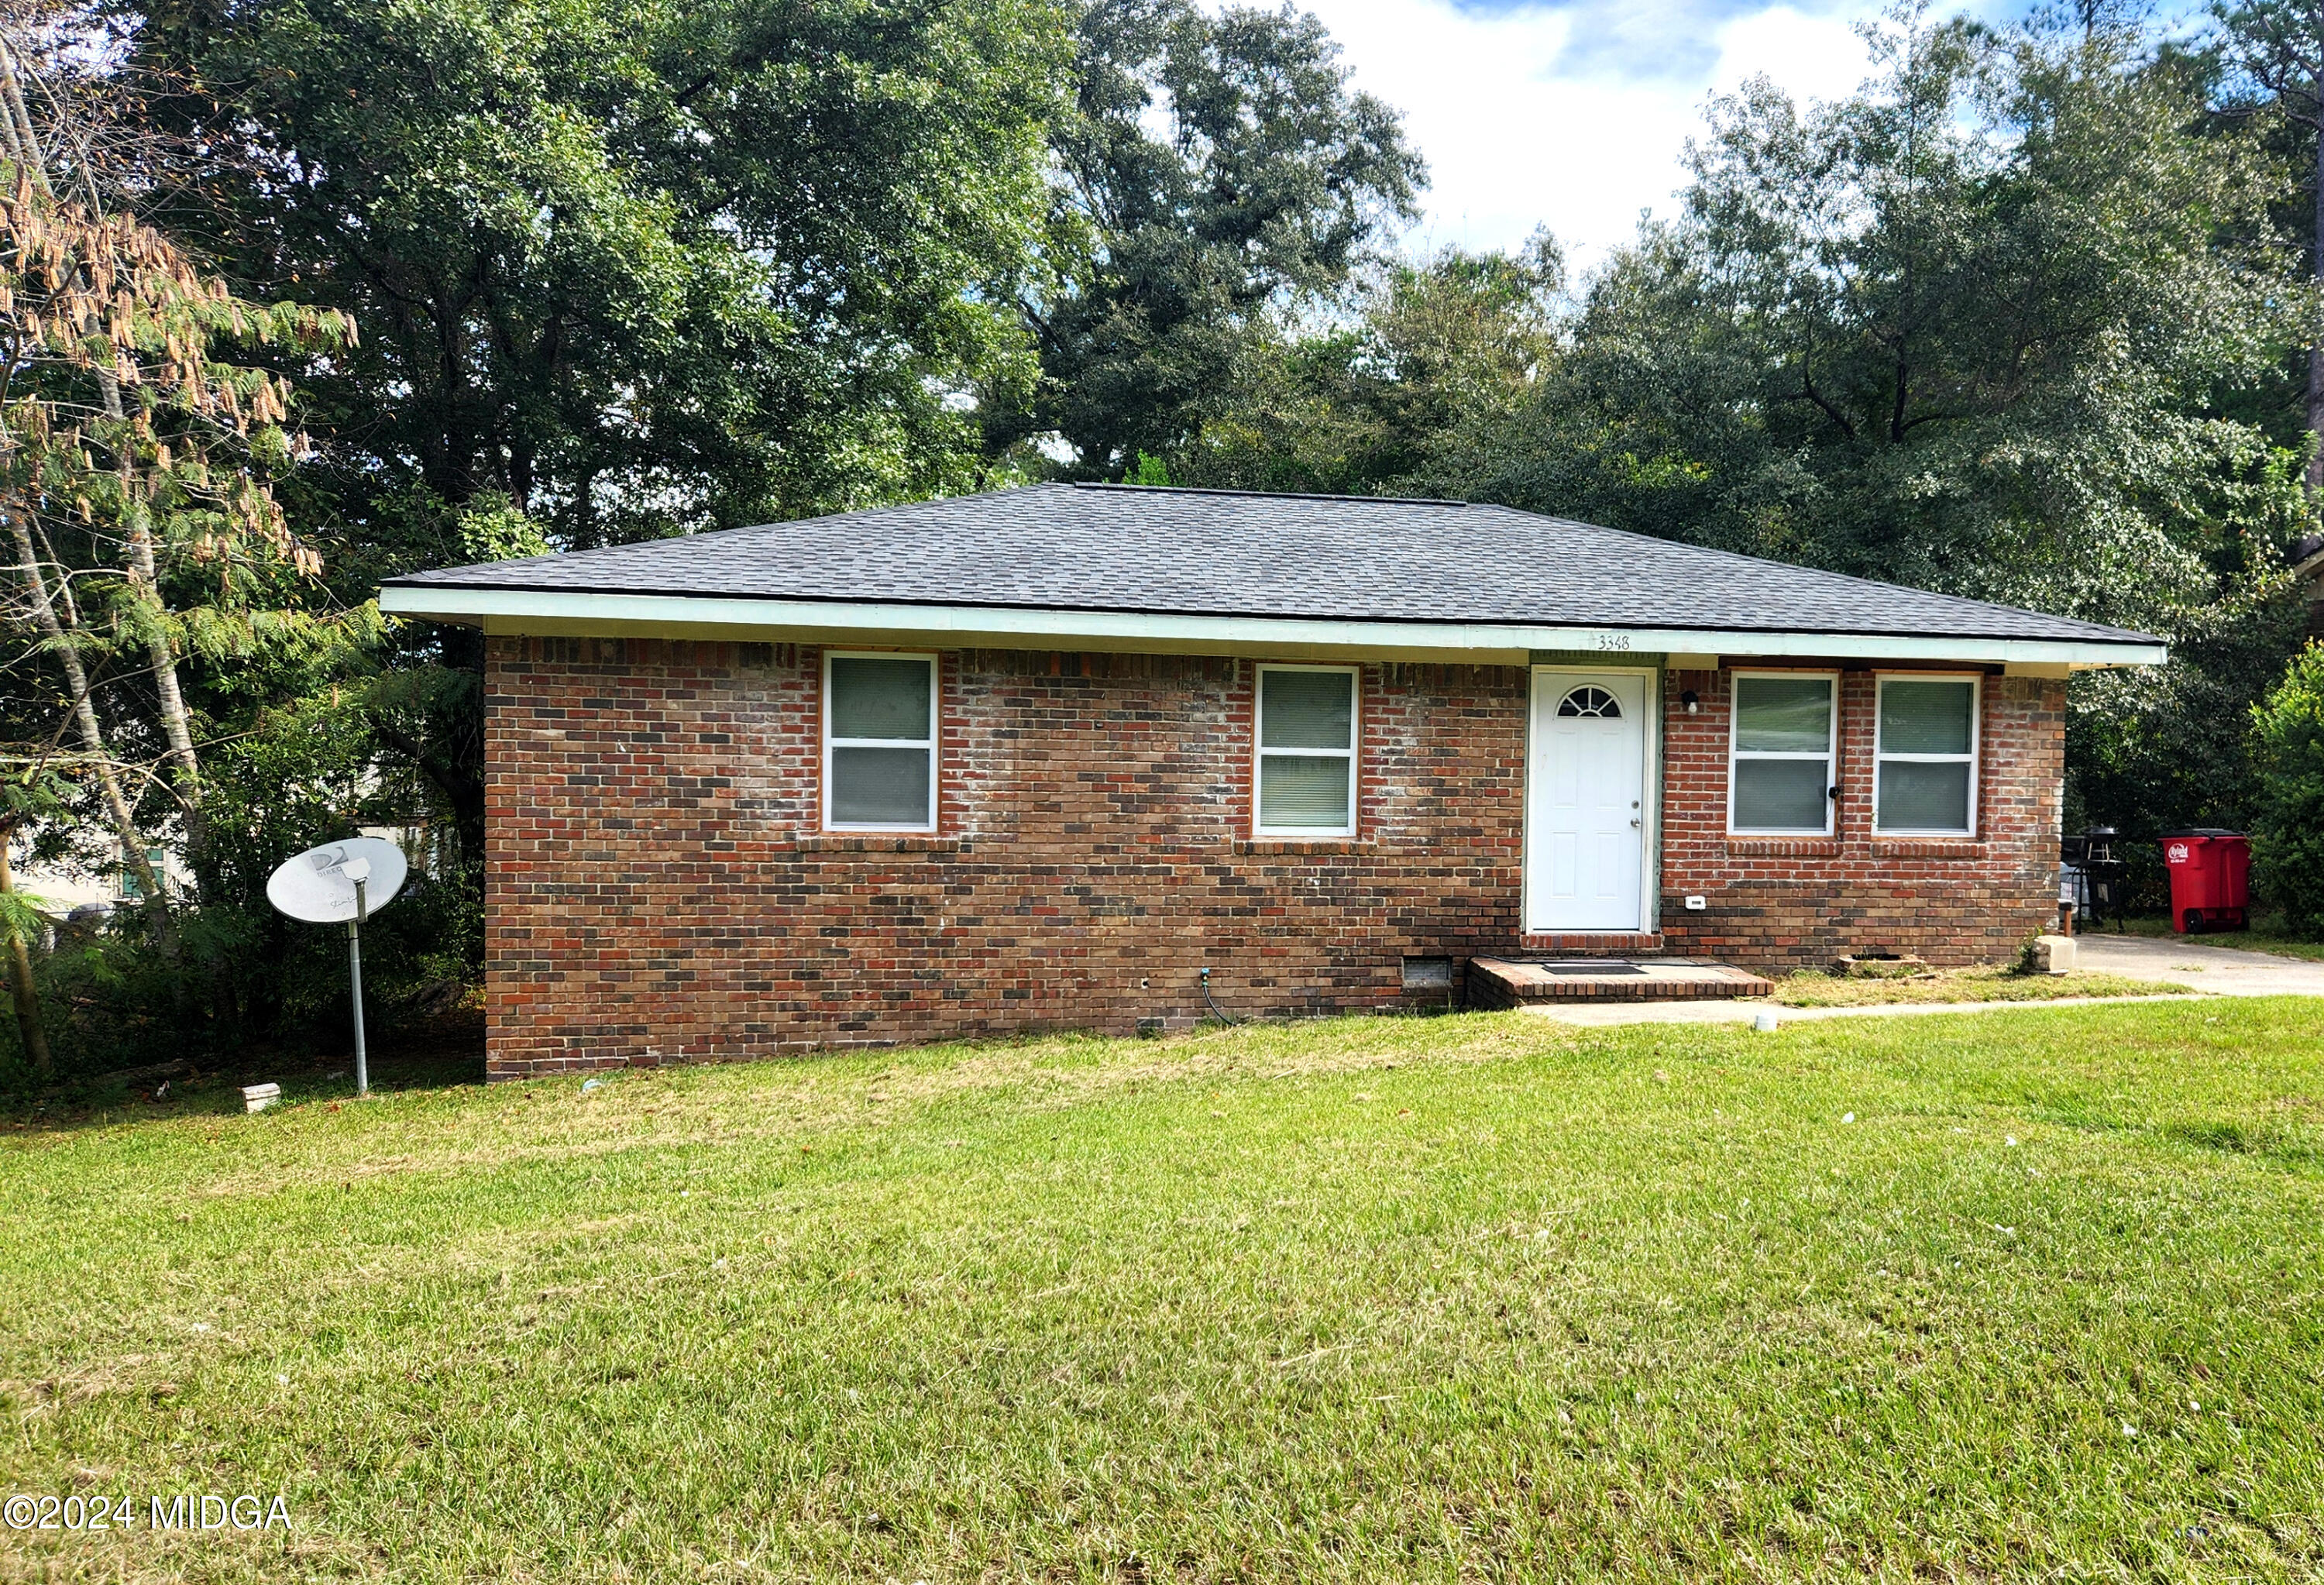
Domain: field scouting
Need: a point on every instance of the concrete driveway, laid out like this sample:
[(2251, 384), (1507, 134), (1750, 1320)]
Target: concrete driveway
[(2219, 970)]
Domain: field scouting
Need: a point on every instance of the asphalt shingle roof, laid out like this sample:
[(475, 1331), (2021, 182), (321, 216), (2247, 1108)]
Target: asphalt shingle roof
[(1221, 553)]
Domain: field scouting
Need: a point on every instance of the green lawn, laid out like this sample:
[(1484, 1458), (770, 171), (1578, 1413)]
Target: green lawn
[(2266, 935), (1465, 1298)]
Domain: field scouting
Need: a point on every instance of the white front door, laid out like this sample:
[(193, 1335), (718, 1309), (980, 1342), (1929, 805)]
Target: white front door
[(1585, 803)]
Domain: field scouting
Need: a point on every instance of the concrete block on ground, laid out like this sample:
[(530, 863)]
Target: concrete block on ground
[(2053, 954)]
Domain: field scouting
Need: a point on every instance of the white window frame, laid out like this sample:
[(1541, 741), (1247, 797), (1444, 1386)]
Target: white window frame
[(1975, 757), (1260, 751), (1831, 756), (933, 742)]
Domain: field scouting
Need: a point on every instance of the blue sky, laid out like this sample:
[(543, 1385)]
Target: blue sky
[(1575, 115)]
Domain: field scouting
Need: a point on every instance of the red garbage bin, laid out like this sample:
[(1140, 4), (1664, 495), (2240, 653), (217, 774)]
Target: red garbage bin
[(2210, 879)]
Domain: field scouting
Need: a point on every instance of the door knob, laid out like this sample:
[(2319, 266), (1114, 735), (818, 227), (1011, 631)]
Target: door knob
[(1635, 821)]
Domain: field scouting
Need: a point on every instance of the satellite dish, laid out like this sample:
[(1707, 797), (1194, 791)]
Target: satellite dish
[(318, 886), (342, 883)]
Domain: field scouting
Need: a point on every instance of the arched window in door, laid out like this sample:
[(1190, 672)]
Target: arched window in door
[(1591, 701)]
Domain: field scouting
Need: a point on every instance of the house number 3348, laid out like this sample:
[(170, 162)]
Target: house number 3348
[(1613, 641)]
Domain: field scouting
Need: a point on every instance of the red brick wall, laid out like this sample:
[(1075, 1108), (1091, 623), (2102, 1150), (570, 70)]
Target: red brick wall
[(1778, 901), (659, 889)]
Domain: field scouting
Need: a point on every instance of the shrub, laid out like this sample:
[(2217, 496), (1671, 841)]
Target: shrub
[(2288, 752)]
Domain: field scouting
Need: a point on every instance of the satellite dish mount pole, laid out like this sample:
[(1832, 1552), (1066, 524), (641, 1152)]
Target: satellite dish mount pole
[(333, 884), (354, 973)]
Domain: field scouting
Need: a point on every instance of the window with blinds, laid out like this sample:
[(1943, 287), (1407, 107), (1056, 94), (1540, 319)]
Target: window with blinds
[(1926, 749), (1307, 751), (1780, 775), (880, 742)]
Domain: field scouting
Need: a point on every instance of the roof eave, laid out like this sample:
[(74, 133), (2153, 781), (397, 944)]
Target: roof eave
[(561, 613)]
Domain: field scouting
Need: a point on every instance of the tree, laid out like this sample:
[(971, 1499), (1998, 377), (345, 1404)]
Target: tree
[(2279, 44), (1438, 356), (2287, 837), (1169, 251), (124, 431), (140, 456), (30, 794), (1969, 331), (632, 269)]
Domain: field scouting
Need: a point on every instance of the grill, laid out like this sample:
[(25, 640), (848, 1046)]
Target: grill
[(2090, 876)]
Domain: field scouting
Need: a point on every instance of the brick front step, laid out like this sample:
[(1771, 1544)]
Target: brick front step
[(1589, 943), (1503, 982)]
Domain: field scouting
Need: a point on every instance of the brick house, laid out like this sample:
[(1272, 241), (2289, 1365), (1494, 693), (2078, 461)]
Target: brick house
[(1095, 756)]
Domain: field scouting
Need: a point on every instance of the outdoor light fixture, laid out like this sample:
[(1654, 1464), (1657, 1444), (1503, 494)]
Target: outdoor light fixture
[(1693, 701)]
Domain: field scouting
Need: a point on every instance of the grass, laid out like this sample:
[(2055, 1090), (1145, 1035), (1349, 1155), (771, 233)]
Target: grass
[(2266, 935), (2037, 1293), (1813, 988)]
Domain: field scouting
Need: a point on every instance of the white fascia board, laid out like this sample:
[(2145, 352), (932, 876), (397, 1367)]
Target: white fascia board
[(537, 612)]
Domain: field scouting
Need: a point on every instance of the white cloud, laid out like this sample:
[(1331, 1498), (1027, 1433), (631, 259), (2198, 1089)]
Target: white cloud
[(1570, 118)]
